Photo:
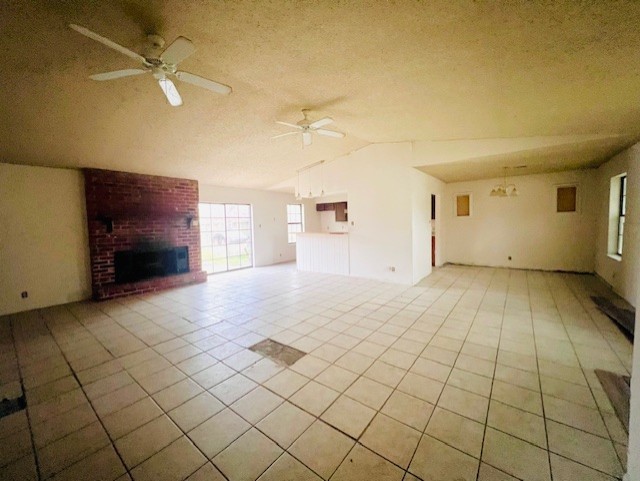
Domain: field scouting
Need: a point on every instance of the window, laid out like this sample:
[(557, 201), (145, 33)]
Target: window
[(463, 205), (617, 212), (622, 209), (226, 241), (295, 221)]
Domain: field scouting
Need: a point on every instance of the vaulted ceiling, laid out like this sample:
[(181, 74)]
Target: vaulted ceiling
[(386, 71)]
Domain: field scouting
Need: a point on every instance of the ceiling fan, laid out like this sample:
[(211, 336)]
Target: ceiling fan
[(160, 64), (306, 127)]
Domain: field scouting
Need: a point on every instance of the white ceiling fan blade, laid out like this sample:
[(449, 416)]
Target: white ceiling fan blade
[(306, 139), (105, 41), (204, 83), (321, 123), (118, 74), (284, 135), (289, 125), (170, 91), (330, 133), (179, 49)]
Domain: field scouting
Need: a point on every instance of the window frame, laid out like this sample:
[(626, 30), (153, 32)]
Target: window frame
[(291, 234), (622, 212)]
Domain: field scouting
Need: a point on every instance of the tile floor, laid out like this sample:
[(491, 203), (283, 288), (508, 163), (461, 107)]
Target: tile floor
[(475, 374)]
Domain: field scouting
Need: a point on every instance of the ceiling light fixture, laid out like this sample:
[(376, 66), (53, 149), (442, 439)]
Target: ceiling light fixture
[(298, 196), (503, 189), (308, 170)]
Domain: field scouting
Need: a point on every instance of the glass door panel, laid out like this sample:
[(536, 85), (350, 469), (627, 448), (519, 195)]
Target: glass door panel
[(226, 237)]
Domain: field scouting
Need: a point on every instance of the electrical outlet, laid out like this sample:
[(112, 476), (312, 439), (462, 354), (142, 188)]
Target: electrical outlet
[(24, 294)]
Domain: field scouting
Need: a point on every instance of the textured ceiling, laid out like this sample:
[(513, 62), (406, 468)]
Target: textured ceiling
[(387, 71), (556, 158)]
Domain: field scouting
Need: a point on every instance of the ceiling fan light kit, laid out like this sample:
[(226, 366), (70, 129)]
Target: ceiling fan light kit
[(307, 128), (161, 64)]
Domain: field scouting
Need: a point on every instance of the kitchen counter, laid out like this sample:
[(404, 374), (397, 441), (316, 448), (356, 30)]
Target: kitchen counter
[(323, 252)]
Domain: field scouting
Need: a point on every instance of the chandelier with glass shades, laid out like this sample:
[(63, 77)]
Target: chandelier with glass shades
[(503, 189)]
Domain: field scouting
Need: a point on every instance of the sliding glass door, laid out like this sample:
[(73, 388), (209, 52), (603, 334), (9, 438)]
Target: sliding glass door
[(225, 237)]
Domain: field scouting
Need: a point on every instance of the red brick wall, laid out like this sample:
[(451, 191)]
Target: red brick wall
[(143, 209)]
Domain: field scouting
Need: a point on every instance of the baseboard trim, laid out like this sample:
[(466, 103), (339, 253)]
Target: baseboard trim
[(530, 269)]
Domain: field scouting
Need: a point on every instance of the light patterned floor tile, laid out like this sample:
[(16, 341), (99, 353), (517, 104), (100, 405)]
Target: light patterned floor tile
[(218, 432), (465, 403), (285, 424), (391, 439), (369, 392), (435, 460), (457, 431), (314, 398), (520, 424), (287, 468), (525, 461), (321, 448), (564, 469), (363, 465), (407, 409), (147, 440), (380, 336), (583, 447), (247, 457), (257, 404), (349, 416)]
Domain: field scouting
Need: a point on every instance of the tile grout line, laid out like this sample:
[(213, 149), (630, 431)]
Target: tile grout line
[(575, 292), (318, 418), (73, 373), (495, 367), (360, 293), (535, 345), (164, 413), (444, 384), (36, 458), (563, 278), (113, 441)]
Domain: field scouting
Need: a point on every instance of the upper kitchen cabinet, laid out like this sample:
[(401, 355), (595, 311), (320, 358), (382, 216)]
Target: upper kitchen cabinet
[(341, 212)]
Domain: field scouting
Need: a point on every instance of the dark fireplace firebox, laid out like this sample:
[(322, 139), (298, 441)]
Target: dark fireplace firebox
[(137, 265)]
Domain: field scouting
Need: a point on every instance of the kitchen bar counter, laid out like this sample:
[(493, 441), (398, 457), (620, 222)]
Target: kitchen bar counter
[(319, 252)]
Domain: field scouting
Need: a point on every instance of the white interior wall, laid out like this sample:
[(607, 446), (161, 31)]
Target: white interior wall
[(526, 227), (633, 460), (44, 247), (423, 186), (375, 179), (383, 193), (620, 273), (270, 240)]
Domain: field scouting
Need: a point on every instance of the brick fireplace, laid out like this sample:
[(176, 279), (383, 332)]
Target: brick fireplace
[(141, 218)]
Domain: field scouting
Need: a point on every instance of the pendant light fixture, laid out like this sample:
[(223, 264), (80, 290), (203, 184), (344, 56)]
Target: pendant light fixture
[(307, 169), (298, 196), (503, 189)]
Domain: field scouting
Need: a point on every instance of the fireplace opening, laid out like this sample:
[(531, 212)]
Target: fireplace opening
[(140, 264)]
